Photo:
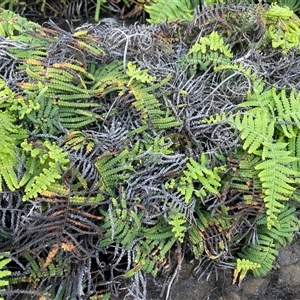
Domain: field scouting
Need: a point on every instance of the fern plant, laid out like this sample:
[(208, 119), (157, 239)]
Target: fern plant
[(12, 26), (112, 168), (169, 10), (12, 135), (270, 116), (120, 161), (150, 245), (292, 4), (39, 269), (179, 225), (259, 258), (4, 274), (282, 27), (198, 173), (208, 51), (44, 165)]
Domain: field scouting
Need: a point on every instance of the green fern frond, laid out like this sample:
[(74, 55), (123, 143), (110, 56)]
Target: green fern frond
[(294, 148), (258, 97), (56, 190), (56, 98), (17, 28), (150, 107), (285, 227), (56, 86), (11, 136), (283, 27), (42, 113), (198, 173), (196, 241), (294, 5), (242, 267), (4, 274), (28, 53), (60, 293), (259, 258), (256, 128), (44, 166), (212, 42), (59, 74), (263, 254), (245, 177), (112, 168), (76, 66), (165, 123), (169, 10), (217, 118), (208, 51), (136, 74), (7, 96), (108, 76), (89, 45), (287, 111), (75, 140), (176, 219), (205, 219), (121, 225), (276, 178), (52, 268), (166, 246)]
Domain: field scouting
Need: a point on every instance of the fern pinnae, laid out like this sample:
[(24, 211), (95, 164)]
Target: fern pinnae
[(109, 74), (125, 231), (75, 67), (56, 85), (64, 98), (287, 112), (28, 53), (278, 185), (77, 125), (4, 274), (259, 97), (33, 87), (169, 10), (165, 247), (11, 136), (160, 235), (35, 73), (50, 110), (294, 148), (95, 49), (75, 120), (256, 128), (73, 104), (149, 267)]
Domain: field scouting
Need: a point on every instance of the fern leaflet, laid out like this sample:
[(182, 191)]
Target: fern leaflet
[(178, 225), (161, 11), (198, 173), (256, 128), (44, 166), (4, 273), (276, 178), (287, 112), (11, 136)]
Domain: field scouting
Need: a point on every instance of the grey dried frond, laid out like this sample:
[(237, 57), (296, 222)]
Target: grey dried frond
[(11, 211), (8, 62)]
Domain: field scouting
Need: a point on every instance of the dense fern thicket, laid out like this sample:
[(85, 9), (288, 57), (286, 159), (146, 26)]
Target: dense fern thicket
[(151, 11), (127, 148)]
